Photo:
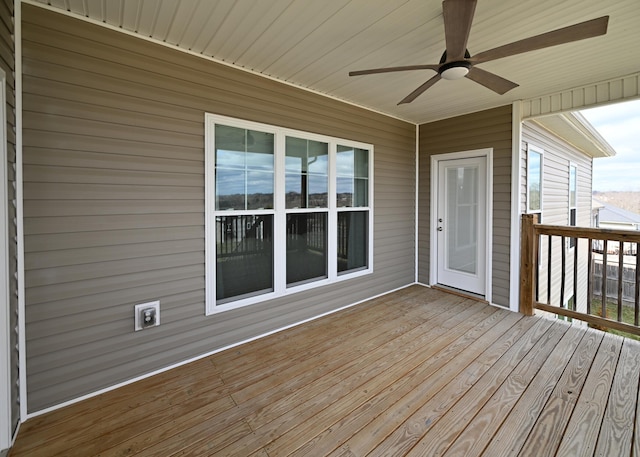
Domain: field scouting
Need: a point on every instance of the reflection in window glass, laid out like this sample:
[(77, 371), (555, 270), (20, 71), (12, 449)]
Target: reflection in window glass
[(352, 169), (352, 240), (244, 169), (306, 247), (573, 185), (244, 256), (534, 180), (307, 173)]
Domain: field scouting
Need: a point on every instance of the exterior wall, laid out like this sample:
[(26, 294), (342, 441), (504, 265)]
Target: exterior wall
[(557, 156), (486, 129), (7, 63), (114, 203)]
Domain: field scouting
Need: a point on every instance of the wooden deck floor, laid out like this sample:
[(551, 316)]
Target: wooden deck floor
[(418, 372)]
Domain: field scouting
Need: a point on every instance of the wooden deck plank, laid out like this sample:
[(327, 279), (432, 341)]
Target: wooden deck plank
[(504, 430), (90, 427), (333, 417), (397, 399), (348, 389), (258, 355), (416, 371), (449, 421), (368, 438), (544, 438), (582, 432), (332, 353), (276, 405), (616, 436), (252, 369)]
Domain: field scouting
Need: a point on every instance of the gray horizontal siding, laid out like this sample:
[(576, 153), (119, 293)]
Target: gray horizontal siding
[(114, 203), (487, 129), (557, 157)]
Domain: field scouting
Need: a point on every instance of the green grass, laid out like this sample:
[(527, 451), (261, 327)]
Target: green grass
[(612, 313)]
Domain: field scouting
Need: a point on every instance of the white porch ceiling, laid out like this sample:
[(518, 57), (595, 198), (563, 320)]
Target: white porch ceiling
[(314, 44)]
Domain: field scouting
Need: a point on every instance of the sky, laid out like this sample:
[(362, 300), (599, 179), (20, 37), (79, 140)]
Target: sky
[(619, 125)]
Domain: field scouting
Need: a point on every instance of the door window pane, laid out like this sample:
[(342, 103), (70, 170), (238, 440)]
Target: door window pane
[(462, 219), (244, 256), (353, 234), (306, 247)]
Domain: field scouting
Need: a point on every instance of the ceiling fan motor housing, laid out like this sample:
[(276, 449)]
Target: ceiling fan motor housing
[(454, 70)]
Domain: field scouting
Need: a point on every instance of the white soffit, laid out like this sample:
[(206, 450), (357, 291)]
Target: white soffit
[(314, 44), (577, 131)]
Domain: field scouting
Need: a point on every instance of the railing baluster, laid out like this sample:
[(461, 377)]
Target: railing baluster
[(563, 270), (597, 269), (620, 278), (636, 309), (603, 306), (550, 241), (590, 278), (575, 273)]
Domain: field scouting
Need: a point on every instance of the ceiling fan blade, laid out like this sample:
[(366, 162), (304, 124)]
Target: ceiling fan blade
[(416, 93), (458, 16), (491, 81), (576, 32), (390, 69)]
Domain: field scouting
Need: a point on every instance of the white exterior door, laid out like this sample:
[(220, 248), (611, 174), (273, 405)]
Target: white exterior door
[(461, 227)]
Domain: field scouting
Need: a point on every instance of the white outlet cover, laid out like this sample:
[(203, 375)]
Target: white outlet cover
[(138, 314)]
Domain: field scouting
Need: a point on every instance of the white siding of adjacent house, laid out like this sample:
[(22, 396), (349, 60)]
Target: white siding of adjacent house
[(558, 155)]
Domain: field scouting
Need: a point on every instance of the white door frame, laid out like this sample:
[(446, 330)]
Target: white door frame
[(433, 245)]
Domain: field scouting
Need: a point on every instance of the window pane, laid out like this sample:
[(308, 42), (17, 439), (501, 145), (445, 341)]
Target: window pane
[(296, 155), (259, 190), (361, 165), (318, 191), (344, 188), (309, 161), (259, 150), (230, 189), (344, 161), (534, 179), (293, 191), (318, 159), (230, 147), (306, 247), (353, 234), (352, 176), (244, 256), (573, 185), (361, 192)]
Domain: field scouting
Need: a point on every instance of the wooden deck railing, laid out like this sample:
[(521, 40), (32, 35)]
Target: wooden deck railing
[(582, 273)]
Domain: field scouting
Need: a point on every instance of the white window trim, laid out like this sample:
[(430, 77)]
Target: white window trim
[(279, 212), (532, 148)]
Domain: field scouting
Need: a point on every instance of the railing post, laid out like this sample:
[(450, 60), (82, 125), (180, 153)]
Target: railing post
[(528, 265)]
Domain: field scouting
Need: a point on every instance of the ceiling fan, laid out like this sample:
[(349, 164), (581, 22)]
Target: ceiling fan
[(456, 62)]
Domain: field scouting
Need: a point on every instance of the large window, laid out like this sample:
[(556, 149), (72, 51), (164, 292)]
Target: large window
[(534, 181), (286, 211)]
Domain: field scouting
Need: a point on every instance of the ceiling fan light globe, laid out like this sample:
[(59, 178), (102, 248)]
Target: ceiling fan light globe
[(454, 72)]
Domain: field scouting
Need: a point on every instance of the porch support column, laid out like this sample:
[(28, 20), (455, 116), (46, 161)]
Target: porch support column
[(528, 264)]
